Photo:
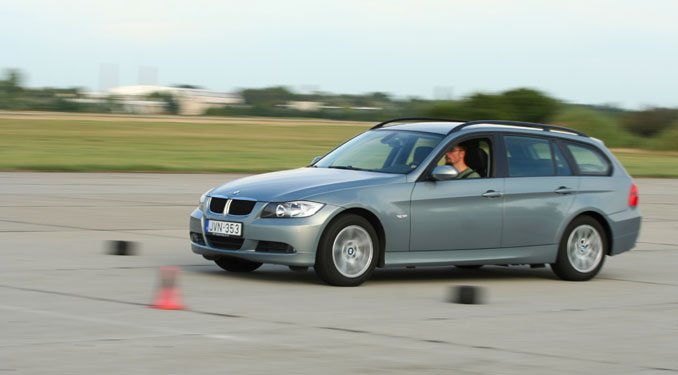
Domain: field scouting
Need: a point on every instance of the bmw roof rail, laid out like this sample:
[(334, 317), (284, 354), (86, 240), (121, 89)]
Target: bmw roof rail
[(404, 119), (522, 124)]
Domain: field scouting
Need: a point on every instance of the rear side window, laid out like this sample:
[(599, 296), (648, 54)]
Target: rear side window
[(589, 160), (562, 168), (529, 157)]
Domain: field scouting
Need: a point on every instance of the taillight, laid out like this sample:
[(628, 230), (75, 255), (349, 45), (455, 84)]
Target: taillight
[(633, 196)]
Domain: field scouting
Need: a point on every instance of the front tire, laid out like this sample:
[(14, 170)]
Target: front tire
[(236, 264), (347, 252), (582, 250)]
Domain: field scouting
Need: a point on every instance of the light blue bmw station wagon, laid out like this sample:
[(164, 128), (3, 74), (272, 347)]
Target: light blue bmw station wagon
[(429, 192)]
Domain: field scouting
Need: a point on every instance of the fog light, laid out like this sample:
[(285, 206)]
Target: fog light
[(197, 238)]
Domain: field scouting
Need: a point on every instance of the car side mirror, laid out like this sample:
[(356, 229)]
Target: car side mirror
[(444, 173), (315, 159)]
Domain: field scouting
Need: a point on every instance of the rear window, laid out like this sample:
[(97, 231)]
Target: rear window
[(589, 160)]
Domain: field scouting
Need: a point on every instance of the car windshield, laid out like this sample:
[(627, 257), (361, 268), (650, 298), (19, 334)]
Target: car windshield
[(387, 151)]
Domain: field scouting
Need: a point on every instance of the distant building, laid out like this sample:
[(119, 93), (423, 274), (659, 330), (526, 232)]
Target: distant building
[(135, 99), (309, 106), (306, 106)]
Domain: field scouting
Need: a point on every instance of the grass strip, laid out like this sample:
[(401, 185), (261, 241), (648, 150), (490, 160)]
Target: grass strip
[(99, 144)]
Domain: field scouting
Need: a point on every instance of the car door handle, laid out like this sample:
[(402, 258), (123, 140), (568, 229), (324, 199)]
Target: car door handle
[(564, 190), (492, 194)]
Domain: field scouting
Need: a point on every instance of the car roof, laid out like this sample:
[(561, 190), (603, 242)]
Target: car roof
[(445, 127), (438, 127)]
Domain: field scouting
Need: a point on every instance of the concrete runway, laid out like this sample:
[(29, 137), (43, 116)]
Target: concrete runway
[(67, 307)]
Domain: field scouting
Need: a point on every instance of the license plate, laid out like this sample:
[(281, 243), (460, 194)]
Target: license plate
[(223, 228)]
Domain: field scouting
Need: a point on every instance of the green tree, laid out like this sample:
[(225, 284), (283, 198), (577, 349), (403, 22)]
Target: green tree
[(267, 97), (12, 82), (379, 96), (595, 123), (443, 109), (667, 139), (519, 105), (528, 105), (185, 86), (10, 89), (649, 122), (483, 107)]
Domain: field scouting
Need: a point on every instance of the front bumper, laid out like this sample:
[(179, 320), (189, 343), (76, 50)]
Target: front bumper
[(301, 234)]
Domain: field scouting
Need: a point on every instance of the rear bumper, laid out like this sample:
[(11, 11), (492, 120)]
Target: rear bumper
[(625, 230)]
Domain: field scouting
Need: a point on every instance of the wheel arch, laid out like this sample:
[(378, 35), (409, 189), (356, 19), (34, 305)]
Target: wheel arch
[(603, 222), (373, 220)]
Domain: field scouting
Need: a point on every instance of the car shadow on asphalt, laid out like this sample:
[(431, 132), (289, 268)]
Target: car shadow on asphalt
[(271, 273), (456, 274)]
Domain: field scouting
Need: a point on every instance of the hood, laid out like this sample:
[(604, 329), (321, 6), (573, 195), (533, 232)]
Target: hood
[(302, 183)]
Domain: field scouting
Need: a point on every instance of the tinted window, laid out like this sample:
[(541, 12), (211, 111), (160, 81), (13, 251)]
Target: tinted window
[(589, 160), (529, 157), (562, 168)]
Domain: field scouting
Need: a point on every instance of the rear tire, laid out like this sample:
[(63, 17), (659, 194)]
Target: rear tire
[(347, 252), (236, 264), (582, 250)]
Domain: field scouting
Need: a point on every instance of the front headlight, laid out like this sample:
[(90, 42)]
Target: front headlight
[(291, 209), (203, 200)]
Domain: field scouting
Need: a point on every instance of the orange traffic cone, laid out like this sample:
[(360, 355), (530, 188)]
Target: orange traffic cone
[(168, 296)]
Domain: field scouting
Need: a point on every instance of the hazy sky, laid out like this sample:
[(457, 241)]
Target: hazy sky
[(594, 51)]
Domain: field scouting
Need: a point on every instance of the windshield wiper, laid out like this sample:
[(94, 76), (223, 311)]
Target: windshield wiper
[(349, 167)]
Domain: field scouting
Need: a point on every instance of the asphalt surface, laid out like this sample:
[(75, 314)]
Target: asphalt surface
[(68, 307)]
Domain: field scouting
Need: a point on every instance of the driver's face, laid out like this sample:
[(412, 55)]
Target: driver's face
[(454, 155)]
